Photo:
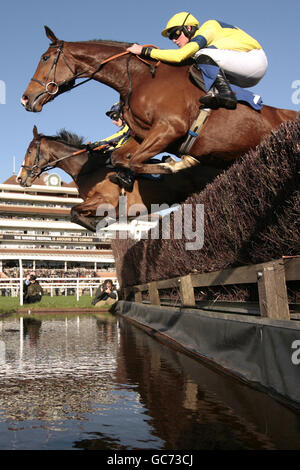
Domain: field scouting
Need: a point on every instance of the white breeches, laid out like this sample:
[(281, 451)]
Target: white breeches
[(244, 69)]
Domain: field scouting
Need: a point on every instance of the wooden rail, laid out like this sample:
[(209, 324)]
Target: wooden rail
[(270, 278)]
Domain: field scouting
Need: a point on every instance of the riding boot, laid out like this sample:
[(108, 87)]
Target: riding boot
[(124, 178), (225, 97)]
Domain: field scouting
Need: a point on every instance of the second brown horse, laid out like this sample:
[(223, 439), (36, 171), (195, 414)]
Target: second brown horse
[(91, 176)]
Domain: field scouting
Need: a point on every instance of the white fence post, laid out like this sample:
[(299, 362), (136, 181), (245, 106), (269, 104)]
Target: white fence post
[(21, 281), (50, 284)]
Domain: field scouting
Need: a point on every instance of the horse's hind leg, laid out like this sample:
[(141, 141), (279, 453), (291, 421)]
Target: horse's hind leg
[(122, 155), (168, 166), (87, 222), (84, 213), (102, 200)]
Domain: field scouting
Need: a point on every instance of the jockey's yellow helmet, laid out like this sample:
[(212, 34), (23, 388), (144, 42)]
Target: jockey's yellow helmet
[(179, 20)]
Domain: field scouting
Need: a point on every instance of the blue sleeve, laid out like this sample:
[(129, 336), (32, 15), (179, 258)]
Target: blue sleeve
[(200, 40)]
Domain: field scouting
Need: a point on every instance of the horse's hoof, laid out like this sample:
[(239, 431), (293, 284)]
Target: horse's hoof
[(186, 162), (189, 161), (123, 179), (168, 159), (114, 178)]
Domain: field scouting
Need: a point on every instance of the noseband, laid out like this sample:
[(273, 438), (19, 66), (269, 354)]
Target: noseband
[(51, 83)]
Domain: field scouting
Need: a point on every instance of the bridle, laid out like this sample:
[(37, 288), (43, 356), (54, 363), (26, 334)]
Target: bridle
[(66, 84), (36, 170), (48, 82), (69, 83)]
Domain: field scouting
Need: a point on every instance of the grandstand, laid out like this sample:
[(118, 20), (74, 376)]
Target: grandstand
[(37, 234)]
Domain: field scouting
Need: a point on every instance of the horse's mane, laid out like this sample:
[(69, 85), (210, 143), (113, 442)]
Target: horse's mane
[(109, 42), (70, 138), (66, 137)]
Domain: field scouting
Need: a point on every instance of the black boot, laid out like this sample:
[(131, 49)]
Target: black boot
[(224, 98), (124, 178)]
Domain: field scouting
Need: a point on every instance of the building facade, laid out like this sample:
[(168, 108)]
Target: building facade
[(36, 232)]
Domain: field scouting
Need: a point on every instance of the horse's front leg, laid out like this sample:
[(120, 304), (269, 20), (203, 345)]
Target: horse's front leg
[(121, 156), (158, 139)]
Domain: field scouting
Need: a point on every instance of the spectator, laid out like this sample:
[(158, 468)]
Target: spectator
[(106, 294), (26, 284), (3, 276), (34, 291)]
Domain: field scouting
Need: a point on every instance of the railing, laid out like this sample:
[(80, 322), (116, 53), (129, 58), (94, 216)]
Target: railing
[(54, 286), (270, 278)]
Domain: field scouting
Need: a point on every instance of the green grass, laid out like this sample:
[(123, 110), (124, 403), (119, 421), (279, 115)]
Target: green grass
[(10, 304)]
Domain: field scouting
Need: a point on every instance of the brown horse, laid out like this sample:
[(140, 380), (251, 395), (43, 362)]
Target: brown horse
[(159, 107), (89, 171)]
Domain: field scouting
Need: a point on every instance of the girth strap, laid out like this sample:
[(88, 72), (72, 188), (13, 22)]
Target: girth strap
[(194, 130)]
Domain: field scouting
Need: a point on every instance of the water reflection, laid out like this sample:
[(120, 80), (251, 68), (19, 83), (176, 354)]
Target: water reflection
[(214, 411), (96, 382)]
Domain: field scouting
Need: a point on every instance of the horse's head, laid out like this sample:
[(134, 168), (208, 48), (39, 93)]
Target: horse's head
[(33, 162), (53, 76)]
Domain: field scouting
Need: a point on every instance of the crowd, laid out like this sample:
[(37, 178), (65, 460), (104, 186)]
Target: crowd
[(52, 273)]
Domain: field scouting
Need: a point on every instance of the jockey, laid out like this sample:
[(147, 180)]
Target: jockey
[(119, 138), (225, 48), (122, 176)]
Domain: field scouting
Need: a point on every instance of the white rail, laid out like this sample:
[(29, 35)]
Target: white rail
[(54, 285)]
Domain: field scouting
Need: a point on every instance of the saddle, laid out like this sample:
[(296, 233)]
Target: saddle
[(197, 77)]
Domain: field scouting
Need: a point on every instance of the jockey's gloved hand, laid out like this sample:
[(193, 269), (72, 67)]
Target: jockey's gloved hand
[(91, 146), (98, 144)]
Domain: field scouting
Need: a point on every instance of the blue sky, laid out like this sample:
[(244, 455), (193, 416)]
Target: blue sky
[(22, 41)]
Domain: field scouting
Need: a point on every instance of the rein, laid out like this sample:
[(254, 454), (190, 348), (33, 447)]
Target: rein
[(69, 82), (33, 170)]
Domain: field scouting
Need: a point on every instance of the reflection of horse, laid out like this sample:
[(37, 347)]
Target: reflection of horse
[(159, 108), (91, 175)]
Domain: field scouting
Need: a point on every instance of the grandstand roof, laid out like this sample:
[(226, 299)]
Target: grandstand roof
[(41, 180)]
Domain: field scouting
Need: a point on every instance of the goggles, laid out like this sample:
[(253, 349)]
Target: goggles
[(174, 33), (113, 115)]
